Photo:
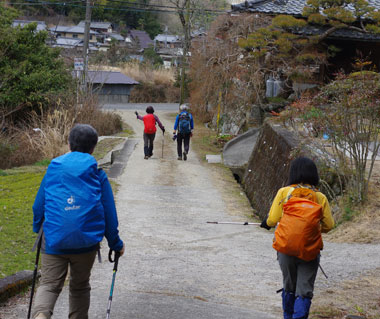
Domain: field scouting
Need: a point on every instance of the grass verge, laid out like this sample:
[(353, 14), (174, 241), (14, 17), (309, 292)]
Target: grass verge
[(18, 189)]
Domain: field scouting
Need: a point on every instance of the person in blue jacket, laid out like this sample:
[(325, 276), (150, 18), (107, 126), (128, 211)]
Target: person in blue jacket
[(184, 124), (75, 208)]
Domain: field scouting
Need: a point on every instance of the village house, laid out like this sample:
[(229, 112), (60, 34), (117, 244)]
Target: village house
[(99, 27), (111, 87), (169, 48), (167, 41), (41, 25), (73, 32), (350, 42), (138, 40)]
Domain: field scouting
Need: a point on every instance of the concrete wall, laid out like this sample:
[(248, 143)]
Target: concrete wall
[(113, 94), (268, 166), (113, 98)]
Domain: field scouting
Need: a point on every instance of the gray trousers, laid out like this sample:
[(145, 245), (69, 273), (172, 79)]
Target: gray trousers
[(54, 270), (298, 275), (148, 143)]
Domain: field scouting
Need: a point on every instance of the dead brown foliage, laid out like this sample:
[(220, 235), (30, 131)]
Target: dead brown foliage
[(157, 85), (163, 93), (222, 71), (45, 136)]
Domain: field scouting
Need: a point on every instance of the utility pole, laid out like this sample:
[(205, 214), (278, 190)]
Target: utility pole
[(185, 51), (85, 43)]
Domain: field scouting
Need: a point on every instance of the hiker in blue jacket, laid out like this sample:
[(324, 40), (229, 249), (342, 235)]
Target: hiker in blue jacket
[(75, 207), (184, 124)]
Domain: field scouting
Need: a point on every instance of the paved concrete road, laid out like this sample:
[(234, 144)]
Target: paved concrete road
[(142, 106), (178, 267)]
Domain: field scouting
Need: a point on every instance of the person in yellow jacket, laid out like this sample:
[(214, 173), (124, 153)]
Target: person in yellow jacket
[(298, 274)]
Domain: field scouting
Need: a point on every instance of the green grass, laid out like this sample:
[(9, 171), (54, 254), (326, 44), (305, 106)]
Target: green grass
[(18, 189), (126, 132), (105, 146), (44, 162)]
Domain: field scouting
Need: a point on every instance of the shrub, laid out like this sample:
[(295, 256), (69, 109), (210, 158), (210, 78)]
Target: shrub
[(45, 135), (348, 111)]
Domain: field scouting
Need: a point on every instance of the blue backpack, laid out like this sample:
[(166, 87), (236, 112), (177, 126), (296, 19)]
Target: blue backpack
[(74, 214), (184, 123)]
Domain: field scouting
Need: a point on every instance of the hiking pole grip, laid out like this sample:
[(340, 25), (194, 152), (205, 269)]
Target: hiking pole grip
[(115, 259)]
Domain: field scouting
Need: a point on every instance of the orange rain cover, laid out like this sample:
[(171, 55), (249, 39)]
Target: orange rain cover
[(299, 231)]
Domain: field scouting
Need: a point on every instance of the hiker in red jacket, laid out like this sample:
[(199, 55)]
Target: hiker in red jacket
[(150, 129)]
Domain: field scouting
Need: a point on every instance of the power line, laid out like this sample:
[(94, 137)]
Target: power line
[(130, 9), (151, 8), (170, 7)]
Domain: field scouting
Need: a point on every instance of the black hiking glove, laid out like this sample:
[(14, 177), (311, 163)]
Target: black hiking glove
[(163, 130), (265, 225), (137, 114)]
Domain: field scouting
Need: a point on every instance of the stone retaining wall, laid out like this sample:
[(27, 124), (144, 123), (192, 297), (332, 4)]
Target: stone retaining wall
[(268, 166)]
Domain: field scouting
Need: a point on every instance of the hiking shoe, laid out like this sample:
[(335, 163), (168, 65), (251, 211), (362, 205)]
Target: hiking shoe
[(179, 158), (184, 156), (146, 157)]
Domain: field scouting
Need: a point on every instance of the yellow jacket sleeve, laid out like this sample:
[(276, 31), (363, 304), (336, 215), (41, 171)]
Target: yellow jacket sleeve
[(327, 222), (275, 212)]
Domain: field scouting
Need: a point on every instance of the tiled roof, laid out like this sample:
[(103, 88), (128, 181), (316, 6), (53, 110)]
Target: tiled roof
[(167, 38), (70, 43), (41, 25), (144, 39), (116, 36), (97, 25), (341, 34), (70, 29), (293, 7), (109, 77)]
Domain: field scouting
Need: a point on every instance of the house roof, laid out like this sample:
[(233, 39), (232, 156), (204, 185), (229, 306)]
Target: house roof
[(70, 29), (346, 34), (67, 42), (167, 38), (144, 39), (41, 25), (292, 7), (97, 25), (295, 7), (110, 77), (70, 43), (116, 36)]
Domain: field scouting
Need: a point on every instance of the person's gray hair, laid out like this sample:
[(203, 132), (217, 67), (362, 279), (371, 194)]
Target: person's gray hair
[(183, 107), (83, 138)]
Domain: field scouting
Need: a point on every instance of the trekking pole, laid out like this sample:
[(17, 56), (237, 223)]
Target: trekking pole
[(235, 223), (38, 244), (323, 272), (163, 140), (116, 261)]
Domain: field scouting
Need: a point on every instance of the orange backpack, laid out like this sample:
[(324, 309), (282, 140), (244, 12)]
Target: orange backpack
[(299, 231)]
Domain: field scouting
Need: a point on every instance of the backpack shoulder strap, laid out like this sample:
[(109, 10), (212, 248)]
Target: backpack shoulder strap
[(288, 195)]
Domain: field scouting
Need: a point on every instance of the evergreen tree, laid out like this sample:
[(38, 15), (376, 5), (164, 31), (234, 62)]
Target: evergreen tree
[(31, 72)]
